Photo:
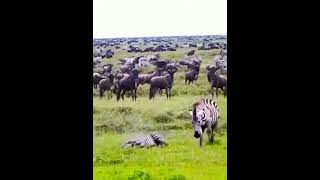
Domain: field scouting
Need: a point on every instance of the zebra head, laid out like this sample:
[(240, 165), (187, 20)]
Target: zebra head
[(197, 120)]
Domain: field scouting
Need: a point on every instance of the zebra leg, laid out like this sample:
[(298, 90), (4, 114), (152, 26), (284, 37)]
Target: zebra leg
[(214, 128), (135, 94), (201, 140), (210, 134)]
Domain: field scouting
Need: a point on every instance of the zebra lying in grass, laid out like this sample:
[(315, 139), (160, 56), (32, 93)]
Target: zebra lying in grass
[(205, 115), (148, 140)]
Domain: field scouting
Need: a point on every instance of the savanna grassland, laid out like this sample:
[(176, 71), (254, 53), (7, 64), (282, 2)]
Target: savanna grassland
[(114, 122)]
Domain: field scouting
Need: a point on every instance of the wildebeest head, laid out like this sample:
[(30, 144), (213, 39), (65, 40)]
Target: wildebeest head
[(169, 79), (135, 72), (212, 68), (190, 53)]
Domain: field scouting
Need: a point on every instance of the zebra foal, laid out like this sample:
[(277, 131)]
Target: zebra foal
[(148, 140)]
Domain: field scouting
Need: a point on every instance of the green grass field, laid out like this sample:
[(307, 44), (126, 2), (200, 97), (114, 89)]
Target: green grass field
[(114, 122)]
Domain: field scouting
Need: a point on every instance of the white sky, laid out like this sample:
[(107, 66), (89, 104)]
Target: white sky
[(132, 18)]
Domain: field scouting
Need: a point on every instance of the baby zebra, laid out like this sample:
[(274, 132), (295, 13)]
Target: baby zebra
[(148, 140), (205, 115)]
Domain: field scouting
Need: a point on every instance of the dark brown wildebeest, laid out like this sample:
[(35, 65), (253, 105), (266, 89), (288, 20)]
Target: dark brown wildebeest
[(190, 53), (160, 82), (105, 85), (217, 81), (128, 83)]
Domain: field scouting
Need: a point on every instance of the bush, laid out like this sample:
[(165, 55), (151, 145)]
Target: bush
[(177, 177), (169, 127), (140, 175), (99, 160), (163, 118), (122, 110), (182, 115), (117, 122)]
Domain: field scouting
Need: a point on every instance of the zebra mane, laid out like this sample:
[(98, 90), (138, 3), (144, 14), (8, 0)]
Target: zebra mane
[(194, 109), (197, 103)]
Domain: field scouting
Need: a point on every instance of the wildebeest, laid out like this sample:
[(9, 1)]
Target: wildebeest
[(204, 48), (160, 63), (190, 53), (96, 51), (129, 63), (217, 81), (107, 68), (172, 65), (153, 57), (106, 85), (146, 78), (134, 49), (191, 76), (192, 45), (171, 71), (148, 49), (171, 49), (97, 78), (190, 62), (109, 54), (97, 60), (160, 82), (128, 83)]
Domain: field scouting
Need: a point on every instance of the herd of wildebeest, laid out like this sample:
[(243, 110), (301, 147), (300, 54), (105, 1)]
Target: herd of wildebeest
[(129, 77)]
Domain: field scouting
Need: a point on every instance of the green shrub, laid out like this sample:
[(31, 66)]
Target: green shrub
[(177, 177), (140, 175), (163, 118), (122, 110)]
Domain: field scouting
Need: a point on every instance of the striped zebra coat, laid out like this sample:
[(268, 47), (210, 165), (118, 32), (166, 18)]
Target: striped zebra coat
[(205, 116), (148, 140)]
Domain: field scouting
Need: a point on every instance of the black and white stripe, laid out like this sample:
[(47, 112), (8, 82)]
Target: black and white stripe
[(148, 140), (205, 115)]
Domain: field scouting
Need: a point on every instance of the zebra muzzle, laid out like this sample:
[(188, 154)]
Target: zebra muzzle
[(196, 134)]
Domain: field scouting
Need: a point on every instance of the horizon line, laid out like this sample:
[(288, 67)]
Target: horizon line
[(157, 36)]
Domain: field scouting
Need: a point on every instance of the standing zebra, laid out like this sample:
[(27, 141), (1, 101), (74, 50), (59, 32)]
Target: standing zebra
[(148, 140), (205, 115)]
